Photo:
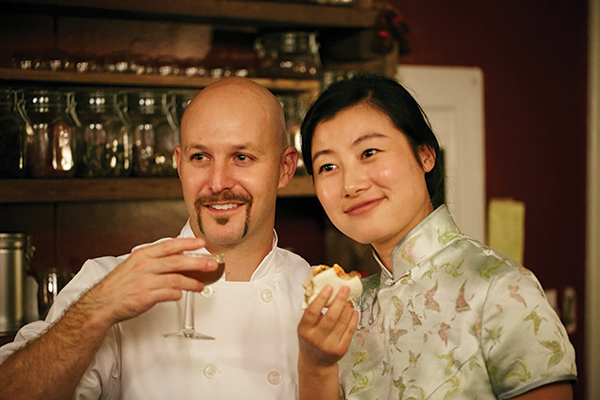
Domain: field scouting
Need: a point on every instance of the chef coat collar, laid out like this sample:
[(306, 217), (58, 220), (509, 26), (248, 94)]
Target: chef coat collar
[(262, 268)]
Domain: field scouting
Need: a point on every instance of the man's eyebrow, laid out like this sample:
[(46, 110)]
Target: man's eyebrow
[(238, 147)]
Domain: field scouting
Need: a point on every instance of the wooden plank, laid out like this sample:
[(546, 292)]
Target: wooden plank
[(74, 189), (124, 80), (77, 190), (230, 11)]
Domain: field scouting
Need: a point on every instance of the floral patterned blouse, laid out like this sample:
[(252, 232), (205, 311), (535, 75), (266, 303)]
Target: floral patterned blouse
[(454, 319)]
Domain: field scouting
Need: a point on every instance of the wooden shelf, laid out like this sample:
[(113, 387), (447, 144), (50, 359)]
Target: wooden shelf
[(360, 15), (171, 81), (80, 190)]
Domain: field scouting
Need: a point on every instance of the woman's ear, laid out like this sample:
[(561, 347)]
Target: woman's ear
[(427, 156)]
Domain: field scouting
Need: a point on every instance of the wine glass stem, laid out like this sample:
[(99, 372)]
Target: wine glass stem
[(188, 319)]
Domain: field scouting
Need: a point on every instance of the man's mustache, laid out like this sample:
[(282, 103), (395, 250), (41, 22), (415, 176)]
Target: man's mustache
[(223, 196)]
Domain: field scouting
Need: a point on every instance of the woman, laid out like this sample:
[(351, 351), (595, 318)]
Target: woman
[(447, 317)]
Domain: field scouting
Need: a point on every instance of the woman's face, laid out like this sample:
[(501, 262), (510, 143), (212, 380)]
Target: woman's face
[(367, 177)]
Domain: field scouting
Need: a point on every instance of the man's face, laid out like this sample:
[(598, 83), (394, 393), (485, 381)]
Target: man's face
[(229, 165)]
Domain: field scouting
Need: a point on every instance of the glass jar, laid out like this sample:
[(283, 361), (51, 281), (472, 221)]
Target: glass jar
[(155, 133), (52, 130), (293, 55), (293, 109), (13, 137), (182, 100), (104, 141)]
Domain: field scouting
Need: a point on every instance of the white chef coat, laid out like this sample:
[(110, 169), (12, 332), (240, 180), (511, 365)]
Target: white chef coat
[(254, 354)]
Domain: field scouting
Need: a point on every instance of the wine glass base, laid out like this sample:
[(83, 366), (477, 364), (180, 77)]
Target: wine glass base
[(188, 335)]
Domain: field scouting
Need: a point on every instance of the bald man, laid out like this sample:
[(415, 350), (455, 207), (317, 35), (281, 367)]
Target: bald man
[(103, 337)]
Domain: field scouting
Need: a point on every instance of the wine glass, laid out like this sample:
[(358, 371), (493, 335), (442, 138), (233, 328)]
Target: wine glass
[(188, 331)]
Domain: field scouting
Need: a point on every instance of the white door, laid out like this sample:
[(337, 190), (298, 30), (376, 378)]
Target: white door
[(452, 99)]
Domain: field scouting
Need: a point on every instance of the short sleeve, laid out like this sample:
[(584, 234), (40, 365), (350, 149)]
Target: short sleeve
[(525, 344)]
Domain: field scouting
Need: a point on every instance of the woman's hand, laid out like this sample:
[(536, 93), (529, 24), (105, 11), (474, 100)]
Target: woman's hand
[(324, 338)]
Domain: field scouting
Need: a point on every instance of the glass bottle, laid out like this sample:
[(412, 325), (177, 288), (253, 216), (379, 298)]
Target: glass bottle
[(52, 130), (104, 141), (155, 133), (13, 137)]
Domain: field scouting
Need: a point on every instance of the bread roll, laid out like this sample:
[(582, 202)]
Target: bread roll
[(336, 277)]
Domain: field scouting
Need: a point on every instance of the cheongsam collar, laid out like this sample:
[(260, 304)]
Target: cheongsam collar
[(423, 241)]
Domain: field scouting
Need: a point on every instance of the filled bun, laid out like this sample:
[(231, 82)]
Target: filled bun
[(336, 277)]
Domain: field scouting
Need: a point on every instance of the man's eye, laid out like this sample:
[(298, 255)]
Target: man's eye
[(198, 157), (242, 157)]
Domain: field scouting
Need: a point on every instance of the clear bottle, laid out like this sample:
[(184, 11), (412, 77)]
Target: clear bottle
[(104, 140), (52, 131), (155, 133), (13, 137)]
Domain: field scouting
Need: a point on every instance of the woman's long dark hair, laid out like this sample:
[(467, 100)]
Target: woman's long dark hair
[(391, 98)]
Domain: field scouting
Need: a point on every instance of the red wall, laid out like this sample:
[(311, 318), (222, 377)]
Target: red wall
[(533, 56), (534, 59)]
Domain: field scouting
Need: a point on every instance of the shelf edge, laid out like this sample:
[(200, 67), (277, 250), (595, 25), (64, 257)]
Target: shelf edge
[(116, 189)]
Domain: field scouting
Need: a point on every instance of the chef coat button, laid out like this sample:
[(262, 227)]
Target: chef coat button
[(274, 377), (210, 371), (266, 295), (207, 292)]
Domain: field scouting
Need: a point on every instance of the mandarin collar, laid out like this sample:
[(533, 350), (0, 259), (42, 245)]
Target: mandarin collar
[(423, 241)]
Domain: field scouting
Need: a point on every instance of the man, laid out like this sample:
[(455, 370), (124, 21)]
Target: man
[(109, 343)]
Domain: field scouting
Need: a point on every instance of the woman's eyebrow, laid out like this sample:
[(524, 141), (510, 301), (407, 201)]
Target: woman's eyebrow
[(321, 153), (367, 136)]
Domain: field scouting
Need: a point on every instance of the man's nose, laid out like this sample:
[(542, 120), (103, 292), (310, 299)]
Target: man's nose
[(221, 177)]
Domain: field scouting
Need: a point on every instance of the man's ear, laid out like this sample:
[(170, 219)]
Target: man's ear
[(427, 156), (287, 168)]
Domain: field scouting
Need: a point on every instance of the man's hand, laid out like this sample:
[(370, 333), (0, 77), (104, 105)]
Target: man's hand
[(56, 361), (150, 275)]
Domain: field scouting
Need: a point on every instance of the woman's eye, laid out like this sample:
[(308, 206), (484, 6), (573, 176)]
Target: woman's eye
[(369, 152), (326, 167)]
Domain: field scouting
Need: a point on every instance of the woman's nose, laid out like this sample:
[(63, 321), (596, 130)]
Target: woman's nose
[(354, 183)]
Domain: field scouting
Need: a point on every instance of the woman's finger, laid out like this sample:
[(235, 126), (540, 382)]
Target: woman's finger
[(312, 314)]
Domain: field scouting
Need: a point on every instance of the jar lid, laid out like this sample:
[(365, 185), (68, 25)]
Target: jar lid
[(42, 98), (14, 240)]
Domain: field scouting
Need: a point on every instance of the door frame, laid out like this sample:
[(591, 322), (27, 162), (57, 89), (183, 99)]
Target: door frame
[(459, 90), (592, 273)]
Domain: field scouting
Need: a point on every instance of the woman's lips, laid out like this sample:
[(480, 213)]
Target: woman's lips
[(362, 207)]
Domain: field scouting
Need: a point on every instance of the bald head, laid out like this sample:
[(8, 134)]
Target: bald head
[(238, 99), (234, 154)]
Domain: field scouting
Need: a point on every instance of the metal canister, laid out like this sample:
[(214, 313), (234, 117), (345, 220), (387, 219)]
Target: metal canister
[(15, 254)]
